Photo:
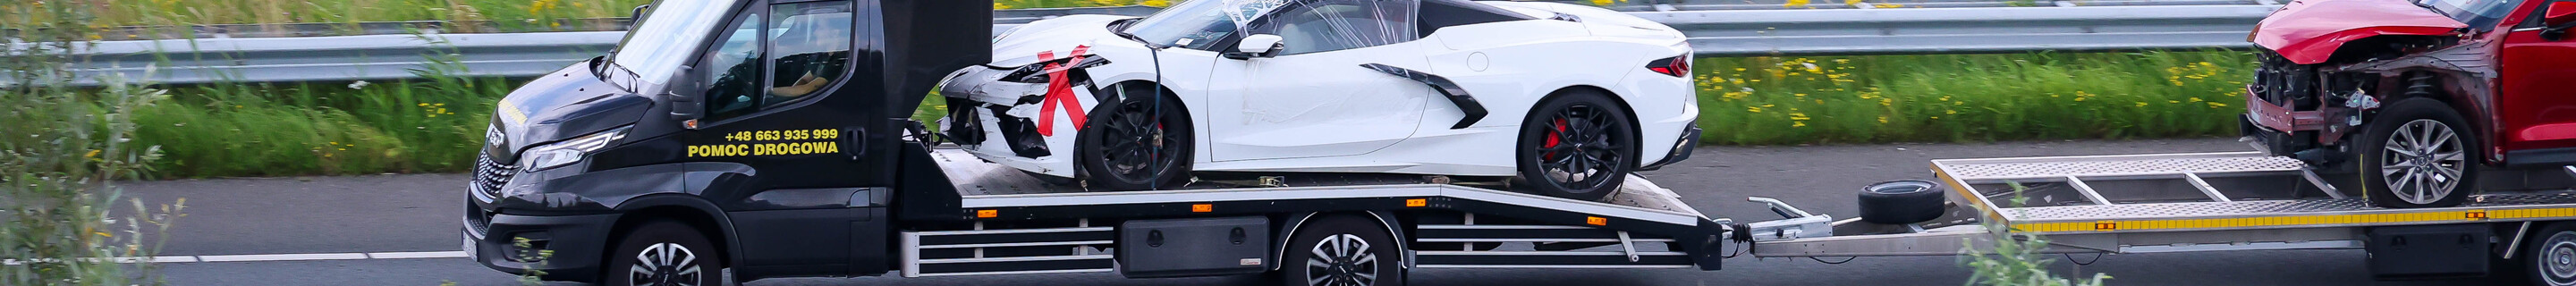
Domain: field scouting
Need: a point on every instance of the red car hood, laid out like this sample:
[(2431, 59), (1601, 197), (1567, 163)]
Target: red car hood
[(2308, 31)]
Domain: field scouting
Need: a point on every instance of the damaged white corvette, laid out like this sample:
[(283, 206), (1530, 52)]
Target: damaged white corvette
[(1569, 99)]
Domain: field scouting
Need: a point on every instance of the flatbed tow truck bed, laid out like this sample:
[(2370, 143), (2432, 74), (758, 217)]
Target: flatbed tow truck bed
[(2117, 204), (1439, 222), (2187, 203)]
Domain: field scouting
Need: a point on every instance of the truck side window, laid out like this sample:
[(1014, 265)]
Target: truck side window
[(736, 78), (810, 50)]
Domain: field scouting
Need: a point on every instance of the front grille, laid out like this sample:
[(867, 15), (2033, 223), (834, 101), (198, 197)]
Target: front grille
[(489, 176)]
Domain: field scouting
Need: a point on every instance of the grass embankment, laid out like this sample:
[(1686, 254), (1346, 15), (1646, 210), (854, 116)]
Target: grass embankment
[(514, 14), (1959, 98), (435, 126)]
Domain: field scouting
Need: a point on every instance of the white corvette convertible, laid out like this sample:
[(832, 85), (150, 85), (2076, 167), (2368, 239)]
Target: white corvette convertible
[(1568, 98)]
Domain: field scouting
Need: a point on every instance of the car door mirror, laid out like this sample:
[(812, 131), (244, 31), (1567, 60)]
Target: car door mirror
[(2559, 14), (1258, 46)]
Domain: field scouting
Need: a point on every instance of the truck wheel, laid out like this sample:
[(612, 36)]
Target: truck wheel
[(1135, 141), (2414, 156), (2552, 255), (1901, 202), (664, 253), (1577, 146), (1342, 250)]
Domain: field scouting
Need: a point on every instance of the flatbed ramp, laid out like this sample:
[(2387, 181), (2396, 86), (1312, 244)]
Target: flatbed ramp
[(1444, 225), (2156, 203)]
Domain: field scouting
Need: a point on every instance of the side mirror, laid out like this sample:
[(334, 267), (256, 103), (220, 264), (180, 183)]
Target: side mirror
[(637, 16), (2559, 14), (684, 108), (1258, 46)]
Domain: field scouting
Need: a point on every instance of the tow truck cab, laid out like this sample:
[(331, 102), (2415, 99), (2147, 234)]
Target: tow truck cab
[(775, 121)]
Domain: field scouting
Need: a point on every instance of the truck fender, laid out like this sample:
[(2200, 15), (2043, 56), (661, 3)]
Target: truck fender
[(724, 225), (1289, 230)]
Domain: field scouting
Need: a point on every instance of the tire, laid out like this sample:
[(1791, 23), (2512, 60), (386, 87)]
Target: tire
[(1135, 140), (2550, 259), (1901, 202), (1603, 149), (2406, 162), (1333, 250), (664, 253)]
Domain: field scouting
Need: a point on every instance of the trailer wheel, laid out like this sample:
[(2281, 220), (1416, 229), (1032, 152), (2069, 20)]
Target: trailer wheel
[(2552, 255), (2415, 155), (1342, 250), (664, 253), (1901, 202)]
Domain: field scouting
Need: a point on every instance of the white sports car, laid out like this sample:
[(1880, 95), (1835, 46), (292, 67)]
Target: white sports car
[(1568, 98)]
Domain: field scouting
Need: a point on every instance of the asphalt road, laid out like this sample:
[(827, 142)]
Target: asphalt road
[(400, 213)]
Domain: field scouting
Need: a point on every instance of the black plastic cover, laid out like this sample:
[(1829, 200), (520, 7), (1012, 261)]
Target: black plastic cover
[(2428, 251), (1194, 247)]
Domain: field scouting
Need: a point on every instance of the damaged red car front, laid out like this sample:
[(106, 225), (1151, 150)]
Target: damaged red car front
[(2415, 97)]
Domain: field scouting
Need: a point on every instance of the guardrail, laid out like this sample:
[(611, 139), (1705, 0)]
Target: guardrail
[(1712, 33)]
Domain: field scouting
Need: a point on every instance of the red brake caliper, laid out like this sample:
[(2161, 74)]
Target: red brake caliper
[(1551, 139)]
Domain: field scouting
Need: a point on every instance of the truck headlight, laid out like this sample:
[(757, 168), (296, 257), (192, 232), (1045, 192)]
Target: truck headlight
[(567, 152)]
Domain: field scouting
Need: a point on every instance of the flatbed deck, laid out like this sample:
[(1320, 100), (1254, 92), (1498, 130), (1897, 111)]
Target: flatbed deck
[(1444, 225), (2155, 203)]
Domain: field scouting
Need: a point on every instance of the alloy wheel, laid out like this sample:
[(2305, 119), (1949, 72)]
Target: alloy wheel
[(2424, 161), (1135, 145), (665, 264), (1579, 151), (1342, 260)]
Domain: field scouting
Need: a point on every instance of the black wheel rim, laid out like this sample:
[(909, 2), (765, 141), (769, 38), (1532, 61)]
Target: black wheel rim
[(665, 264), (2422, 161), (1342, 260), (1578, 151), (2556, 261), (1133, 145)]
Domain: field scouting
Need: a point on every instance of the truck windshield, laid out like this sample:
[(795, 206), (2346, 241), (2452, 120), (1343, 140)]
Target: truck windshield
[(666, 37), (1199, 24), (2481, 14)]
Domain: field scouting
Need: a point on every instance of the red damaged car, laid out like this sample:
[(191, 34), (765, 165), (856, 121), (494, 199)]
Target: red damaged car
[(2425, 101)]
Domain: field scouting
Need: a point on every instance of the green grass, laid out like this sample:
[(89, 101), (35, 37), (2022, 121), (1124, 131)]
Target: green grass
[(1965, 98), (320, 128), (519, 14)]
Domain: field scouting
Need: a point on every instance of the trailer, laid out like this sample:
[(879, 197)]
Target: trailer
[(2160, 203)]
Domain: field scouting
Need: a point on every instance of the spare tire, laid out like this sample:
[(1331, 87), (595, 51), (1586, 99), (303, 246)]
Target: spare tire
[(1901, 202)]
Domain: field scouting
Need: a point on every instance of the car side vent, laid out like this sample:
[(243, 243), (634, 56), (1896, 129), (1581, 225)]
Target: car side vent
[(1566, 17)]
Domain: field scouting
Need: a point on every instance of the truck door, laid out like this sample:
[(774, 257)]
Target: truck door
[(786, 101), (2537, 67)]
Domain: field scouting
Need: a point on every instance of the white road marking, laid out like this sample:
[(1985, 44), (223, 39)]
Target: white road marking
[(281, 257), (420, 254)]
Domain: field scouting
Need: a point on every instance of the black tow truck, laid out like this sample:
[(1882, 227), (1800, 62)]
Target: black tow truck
[(732, 140)]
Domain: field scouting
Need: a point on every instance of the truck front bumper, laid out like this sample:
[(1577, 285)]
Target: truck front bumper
[(577, 242)]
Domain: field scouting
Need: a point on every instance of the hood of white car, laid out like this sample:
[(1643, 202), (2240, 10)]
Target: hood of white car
[(1059, 36)]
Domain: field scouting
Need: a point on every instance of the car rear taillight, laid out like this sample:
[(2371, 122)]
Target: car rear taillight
[(1678, 66)]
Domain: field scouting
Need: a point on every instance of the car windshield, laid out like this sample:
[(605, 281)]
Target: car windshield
[(2477, 13), (667, 36), (1199, 24)]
